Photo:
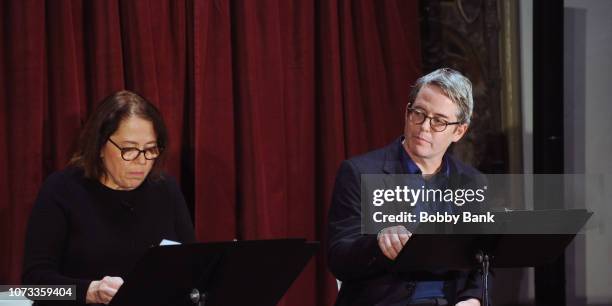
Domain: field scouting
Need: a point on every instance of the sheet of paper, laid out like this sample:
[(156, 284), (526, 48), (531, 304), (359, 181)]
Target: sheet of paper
[(168, 242)]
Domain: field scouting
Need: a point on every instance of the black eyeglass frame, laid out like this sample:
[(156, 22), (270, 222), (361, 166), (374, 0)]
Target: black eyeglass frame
[(436, 128), (143, 152)]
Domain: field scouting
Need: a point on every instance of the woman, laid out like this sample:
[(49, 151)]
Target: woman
[(92, 221)]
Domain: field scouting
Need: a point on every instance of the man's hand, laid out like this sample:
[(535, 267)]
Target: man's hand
[(102, 291), (469, 302), (391, 240)]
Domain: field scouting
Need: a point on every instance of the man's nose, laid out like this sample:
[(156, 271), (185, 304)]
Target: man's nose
[(426, 125)]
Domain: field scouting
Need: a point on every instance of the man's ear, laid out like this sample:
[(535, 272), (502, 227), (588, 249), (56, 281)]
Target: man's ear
[(459, 132)]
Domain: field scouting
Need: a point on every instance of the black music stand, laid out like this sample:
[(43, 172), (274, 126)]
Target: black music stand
[(515, 241), (211, 274)]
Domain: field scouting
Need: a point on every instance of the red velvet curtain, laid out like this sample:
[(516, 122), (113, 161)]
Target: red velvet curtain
[(262, 98)]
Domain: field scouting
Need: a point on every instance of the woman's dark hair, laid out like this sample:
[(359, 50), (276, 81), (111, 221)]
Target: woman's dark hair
[(105, 120)]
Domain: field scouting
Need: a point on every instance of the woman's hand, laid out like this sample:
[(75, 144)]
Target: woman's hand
[(102, 291)]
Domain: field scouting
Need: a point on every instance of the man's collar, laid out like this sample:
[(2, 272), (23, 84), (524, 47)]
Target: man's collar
[(412, 168)]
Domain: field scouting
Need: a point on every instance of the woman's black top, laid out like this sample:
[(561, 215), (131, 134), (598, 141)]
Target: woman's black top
[(80, 230)]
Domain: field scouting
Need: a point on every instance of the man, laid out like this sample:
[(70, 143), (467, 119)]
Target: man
[(437, 115)]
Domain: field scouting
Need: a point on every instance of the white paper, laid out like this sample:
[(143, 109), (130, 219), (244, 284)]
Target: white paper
[(169, 242)]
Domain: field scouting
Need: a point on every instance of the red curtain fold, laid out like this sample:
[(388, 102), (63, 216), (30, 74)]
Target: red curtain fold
[(23, 99), (214, 133), (263, 99)]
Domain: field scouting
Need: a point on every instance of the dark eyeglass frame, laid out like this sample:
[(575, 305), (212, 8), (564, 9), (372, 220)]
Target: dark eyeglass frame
[(441, 124), (143, 152)]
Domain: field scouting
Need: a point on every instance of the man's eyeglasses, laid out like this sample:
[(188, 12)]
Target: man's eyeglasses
[(129, 154), (437, 124)]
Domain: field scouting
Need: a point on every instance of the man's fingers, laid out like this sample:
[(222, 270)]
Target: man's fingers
[(396, 243), (404, 234), (381, 245), (388, 250), (391, 240), (404, 238), (392, 254)]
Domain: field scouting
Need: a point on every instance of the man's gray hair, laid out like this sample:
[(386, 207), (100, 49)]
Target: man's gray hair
[(454, 85)]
